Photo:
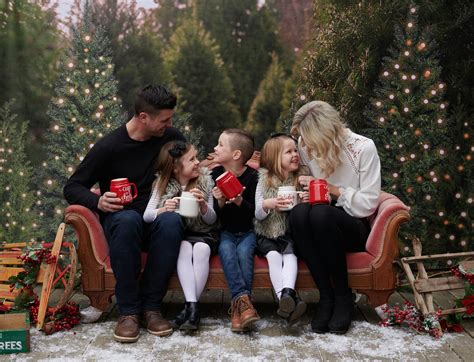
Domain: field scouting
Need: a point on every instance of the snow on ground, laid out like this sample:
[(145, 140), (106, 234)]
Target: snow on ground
[(271, 340)]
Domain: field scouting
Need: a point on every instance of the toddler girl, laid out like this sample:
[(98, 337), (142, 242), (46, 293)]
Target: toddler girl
[(280, 163)]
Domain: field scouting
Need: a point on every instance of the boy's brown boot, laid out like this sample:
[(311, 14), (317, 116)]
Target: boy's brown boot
[(235, 317), (248, 314)]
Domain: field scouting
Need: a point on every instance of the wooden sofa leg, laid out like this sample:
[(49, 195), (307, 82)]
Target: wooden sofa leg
[(377, 297), (100, 300)]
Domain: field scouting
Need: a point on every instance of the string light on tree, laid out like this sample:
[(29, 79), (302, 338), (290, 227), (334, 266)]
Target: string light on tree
[(421, 46)]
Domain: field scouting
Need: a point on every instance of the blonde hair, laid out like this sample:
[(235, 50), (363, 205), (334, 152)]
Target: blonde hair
[(271, 156), (323, 132), (171, 154)]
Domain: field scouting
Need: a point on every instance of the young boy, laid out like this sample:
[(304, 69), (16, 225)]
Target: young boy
[(237, 239)]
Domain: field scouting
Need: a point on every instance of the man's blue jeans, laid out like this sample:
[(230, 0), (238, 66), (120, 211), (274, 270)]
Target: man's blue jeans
[(236, 251), (126, 233)]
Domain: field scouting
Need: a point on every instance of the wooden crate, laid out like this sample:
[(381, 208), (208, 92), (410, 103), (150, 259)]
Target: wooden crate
[(11, 265), (14, 333), (49, 274)]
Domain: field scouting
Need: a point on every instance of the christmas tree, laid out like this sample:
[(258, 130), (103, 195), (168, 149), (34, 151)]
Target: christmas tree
[(30, 41), (411, 123), (203, 87), (182, 121), (267, 105), (343, 61), (17, 220), (247, 34), (136, 44), (84, 109)]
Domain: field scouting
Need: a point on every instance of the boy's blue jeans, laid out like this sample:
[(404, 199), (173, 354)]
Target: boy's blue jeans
[(126, 231), (236, 251)]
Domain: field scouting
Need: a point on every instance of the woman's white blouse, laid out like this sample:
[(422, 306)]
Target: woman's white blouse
[(150, 213), (358, 176)]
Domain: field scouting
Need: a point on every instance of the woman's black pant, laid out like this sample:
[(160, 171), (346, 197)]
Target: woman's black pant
[(323, 234)]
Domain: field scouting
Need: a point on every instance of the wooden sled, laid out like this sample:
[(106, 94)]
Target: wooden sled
[(423, 286)]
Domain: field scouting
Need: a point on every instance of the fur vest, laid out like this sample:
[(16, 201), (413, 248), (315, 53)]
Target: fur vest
[(205, 183), (276, 223)]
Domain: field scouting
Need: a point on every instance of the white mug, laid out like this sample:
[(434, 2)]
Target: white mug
[(188, 205), (289, 193)]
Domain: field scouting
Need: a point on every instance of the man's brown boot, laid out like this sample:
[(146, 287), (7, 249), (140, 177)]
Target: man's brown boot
[(127, 329), (235, 318), (248, 314), (156, 324)]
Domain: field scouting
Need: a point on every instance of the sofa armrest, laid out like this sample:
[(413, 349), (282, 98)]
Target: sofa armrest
[(390, 214), (90, 234)]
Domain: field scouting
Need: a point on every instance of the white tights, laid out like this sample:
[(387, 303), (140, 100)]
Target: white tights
[(193, 268), (283, 269)]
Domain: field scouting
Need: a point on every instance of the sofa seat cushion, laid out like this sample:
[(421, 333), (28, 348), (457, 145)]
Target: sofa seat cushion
[(355, 261), (360, 260)]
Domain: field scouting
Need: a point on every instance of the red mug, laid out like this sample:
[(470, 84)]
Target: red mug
[(229, 185), (319, 192), (123, 189)]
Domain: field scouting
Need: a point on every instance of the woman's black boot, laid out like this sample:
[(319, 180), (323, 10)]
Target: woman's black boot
[(300, 308), (343, 313), (286, 306), (180, 318), (192, 318), (323, 314)]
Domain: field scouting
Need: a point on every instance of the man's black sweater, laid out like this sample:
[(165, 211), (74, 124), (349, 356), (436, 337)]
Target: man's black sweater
[(117, 156), (235, 218)]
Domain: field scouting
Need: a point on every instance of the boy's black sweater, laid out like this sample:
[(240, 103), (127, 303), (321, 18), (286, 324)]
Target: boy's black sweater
[(235, 218), (115, 156)]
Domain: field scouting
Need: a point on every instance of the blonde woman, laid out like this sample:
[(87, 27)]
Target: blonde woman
[(324, 233)]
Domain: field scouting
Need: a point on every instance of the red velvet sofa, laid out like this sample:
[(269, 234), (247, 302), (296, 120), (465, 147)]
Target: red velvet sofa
[(371, 273)]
